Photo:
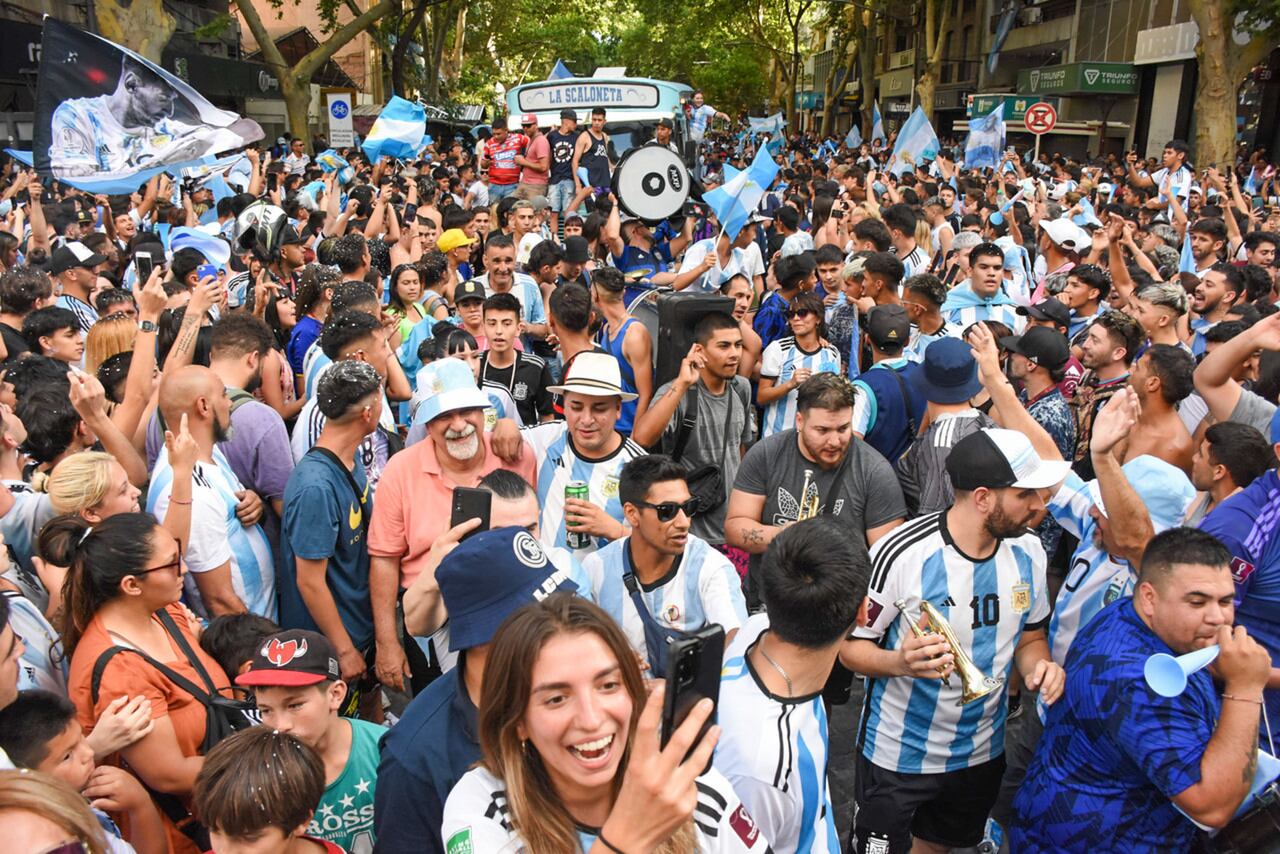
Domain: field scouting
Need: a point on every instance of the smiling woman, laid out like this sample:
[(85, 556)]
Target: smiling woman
[(570, 758)]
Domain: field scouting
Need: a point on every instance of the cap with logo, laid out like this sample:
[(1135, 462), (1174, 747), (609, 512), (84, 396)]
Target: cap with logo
[(488, 576), (452, 239), (292, 658), (1048, 347), (448, 386), (1051, 309), (889, 325), (948, 372), (73, 254), (528, 119), (996, 458), (470, 289)]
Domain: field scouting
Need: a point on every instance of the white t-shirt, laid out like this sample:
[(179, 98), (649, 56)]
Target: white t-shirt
[(479, 194)]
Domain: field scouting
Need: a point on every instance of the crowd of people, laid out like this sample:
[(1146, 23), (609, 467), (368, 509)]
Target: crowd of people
[(968, 445)]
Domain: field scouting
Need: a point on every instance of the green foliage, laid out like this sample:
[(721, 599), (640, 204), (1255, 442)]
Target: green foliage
[(215, 28)]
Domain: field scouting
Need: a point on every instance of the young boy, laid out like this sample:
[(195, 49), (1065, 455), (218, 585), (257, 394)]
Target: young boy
[(55, 332), (295, 680), (525, 376), (39, 731), (468, 297), (233, 639), (257, 791)]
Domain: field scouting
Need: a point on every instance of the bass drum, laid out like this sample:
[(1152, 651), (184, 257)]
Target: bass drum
[(651, 182)]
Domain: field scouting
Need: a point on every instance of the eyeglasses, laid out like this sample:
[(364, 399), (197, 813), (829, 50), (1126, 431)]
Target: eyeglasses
[(667, 510), (800, 313), (176, 563), (75, 846)]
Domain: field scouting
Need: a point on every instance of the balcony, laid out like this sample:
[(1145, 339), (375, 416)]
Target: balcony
[(1039, 24)]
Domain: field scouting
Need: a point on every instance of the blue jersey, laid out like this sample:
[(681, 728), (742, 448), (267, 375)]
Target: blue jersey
[(1114, 753), (701, 588), (1247, 523), (779, 362), (774, 750), (614, 347), (558, 464), (916, 726)]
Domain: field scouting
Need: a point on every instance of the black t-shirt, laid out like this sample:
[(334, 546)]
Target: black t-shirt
[(527, 381), (562, 155), (14, 343)]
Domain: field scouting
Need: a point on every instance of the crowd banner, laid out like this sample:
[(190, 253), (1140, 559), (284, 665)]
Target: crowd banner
[(398, 131), (106, 119), (737, 199), (985, 144)]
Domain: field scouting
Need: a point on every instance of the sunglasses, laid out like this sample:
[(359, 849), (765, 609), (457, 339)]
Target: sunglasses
[(73, 847), (667, 510), (801, 313)]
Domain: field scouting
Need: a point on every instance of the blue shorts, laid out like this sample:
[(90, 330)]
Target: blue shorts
[(501, 191), (560, 195)]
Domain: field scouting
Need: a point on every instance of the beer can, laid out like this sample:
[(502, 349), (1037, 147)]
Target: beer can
[(576, 539)]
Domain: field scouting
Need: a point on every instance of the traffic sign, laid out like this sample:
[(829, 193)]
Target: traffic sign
[(1040, 118)]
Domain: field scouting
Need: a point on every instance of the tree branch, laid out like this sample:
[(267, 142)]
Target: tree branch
[(322, 53)]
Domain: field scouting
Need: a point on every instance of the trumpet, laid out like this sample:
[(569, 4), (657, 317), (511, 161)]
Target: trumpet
[(808, 502), (974, 685)]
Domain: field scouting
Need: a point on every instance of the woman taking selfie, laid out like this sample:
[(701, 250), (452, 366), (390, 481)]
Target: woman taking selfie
[(570, 757)]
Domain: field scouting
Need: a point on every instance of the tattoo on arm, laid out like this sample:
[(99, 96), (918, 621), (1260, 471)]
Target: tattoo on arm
[(187, 335), (753, 536), (1251, 765)]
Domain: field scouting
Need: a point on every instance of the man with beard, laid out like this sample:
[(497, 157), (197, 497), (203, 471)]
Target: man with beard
[(228, 556), (1107, 350), (817, 468), (415, 494), (1221, 287), (929, 767), (258, 449)]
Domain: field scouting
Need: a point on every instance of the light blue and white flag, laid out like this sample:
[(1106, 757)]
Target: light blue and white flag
[(739, 196), (1187, 260), (771, 124), (560, 72), (1087, 215), (853, 138), (986, 140), (331, 161), (877, 125), (916, 143), (398, 131)]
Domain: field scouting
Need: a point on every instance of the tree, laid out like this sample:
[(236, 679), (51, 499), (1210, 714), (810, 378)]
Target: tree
[(842, 21), (1223, 61), (937, 21), (295, 82), (777, 28), (143, 26)]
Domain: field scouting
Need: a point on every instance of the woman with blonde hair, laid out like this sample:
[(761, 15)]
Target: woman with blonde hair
[(38, 813), (570, 758), (93, 485), (110, 335)]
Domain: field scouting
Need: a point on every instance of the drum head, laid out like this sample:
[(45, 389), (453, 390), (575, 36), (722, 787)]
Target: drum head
[(651, 182)]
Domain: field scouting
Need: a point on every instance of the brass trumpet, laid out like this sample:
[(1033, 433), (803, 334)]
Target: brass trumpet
[(974, 685), (808, 503)]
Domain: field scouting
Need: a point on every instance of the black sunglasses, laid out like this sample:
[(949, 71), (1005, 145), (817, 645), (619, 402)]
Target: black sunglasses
[(667, 510), (800, 312)]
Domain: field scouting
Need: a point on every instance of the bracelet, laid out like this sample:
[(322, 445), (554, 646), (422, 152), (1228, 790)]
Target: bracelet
[(176, 501), (607, 844), (1241, 699)]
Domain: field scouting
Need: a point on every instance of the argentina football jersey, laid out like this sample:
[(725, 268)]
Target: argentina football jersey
[(780, 361)]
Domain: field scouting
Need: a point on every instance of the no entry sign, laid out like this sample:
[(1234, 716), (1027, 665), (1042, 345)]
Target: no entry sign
[(1040, 118)]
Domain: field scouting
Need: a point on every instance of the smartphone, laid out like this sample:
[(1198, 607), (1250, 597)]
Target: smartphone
[(206, 271), (693, 672), (142, 260), (470, 503)]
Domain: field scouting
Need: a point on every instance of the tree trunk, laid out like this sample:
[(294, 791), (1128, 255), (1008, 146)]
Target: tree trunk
[(143, 26), (840, 75), (867, 50), (404, 37), (297, 102), (1221, 65), (937, 20)]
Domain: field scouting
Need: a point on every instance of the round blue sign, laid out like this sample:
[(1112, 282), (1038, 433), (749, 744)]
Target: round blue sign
[(339, 109)]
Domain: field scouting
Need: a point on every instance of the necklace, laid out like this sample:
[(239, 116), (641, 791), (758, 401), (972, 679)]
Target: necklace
[(777, 667)]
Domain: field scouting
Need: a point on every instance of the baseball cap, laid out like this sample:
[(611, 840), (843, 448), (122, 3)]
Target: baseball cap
[(1163, 488), (292, 658), (567, 113), (488, 576), (528, 119), (84, 216), (666, 123), (452, 239), (468, 290), (592, 374), (996, 458), (888, 324), (1048, 347), (73, 254), (576, 249), (289, 237), (540, 203), (449, 386), (1066, 234), (948, 372), (1048, 309)]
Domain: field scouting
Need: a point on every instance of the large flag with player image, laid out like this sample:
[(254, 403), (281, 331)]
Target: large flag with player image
[(106, 119), (983, 148), (735, 200), (398, 131), (916, 143)]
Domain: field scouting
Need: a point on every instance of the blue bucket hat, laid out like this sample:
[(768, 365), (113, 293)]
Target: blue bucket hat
[(948, 373), (448, 385), (488, 576)]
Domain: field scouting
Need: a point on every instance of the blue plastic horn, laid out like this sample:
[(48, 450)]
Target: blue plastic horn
[(1167, 675)]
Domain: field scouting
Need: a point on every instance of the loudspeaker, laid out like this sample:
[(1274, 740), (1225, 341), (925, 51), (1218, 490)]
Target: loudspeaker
[(676, 316)]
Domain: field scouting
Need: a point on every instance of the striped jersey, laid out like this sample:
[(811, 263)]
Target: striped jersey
[(313, 365), (85, 313), (217, 537), (920, 340), (373, 449), (1095, 579), (701, 588), (780, 360), (477, 819), (914, 726), (774, 751), (558, 464), (915, 261), (968, 315), (43, 663)]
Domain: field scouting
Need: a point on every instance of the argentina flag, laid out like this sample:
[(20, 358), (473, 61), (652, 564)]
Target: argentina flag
[(877, 125), (398, 132), (986, 140), (853, 138), (735, 201), (916, 143)]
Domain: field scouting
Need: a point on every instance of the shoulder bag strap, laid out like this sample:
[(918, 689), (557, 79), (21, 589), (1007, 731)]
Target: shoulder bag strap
[(194, 660), (351, 479), (906, 403), (100, 666), (687, 423)]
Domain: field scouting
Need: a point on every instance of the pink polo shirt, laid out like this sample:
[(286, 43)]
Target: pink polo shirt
[(414, 500)]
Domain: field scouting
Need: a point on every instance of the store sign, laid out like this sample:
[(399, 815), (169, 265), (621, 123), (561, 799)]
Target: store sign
[(1015, 106), (1081, 78), (556, 96), (1173, 43)]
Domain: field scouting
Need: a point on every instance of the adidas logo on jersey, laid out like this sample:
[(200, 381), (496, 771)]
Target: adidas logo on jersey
[(948, 602)]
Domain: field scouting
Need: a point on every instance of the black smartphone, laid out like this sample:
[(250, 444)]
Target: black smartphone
[(142, 260), (693, 672), (470, 503)]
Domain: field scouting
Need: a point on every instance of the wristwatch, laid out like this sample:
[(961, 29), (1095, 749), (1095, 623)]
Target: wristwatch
[(148, 326)]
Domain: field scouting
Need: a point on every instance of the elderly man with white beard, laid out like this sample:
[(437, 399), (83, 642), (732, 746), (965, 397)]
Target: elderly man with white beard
[(414, 498)]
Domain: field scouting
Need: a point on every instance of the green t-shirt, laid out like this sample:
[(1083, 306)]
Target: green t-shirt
[(345, 814)]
